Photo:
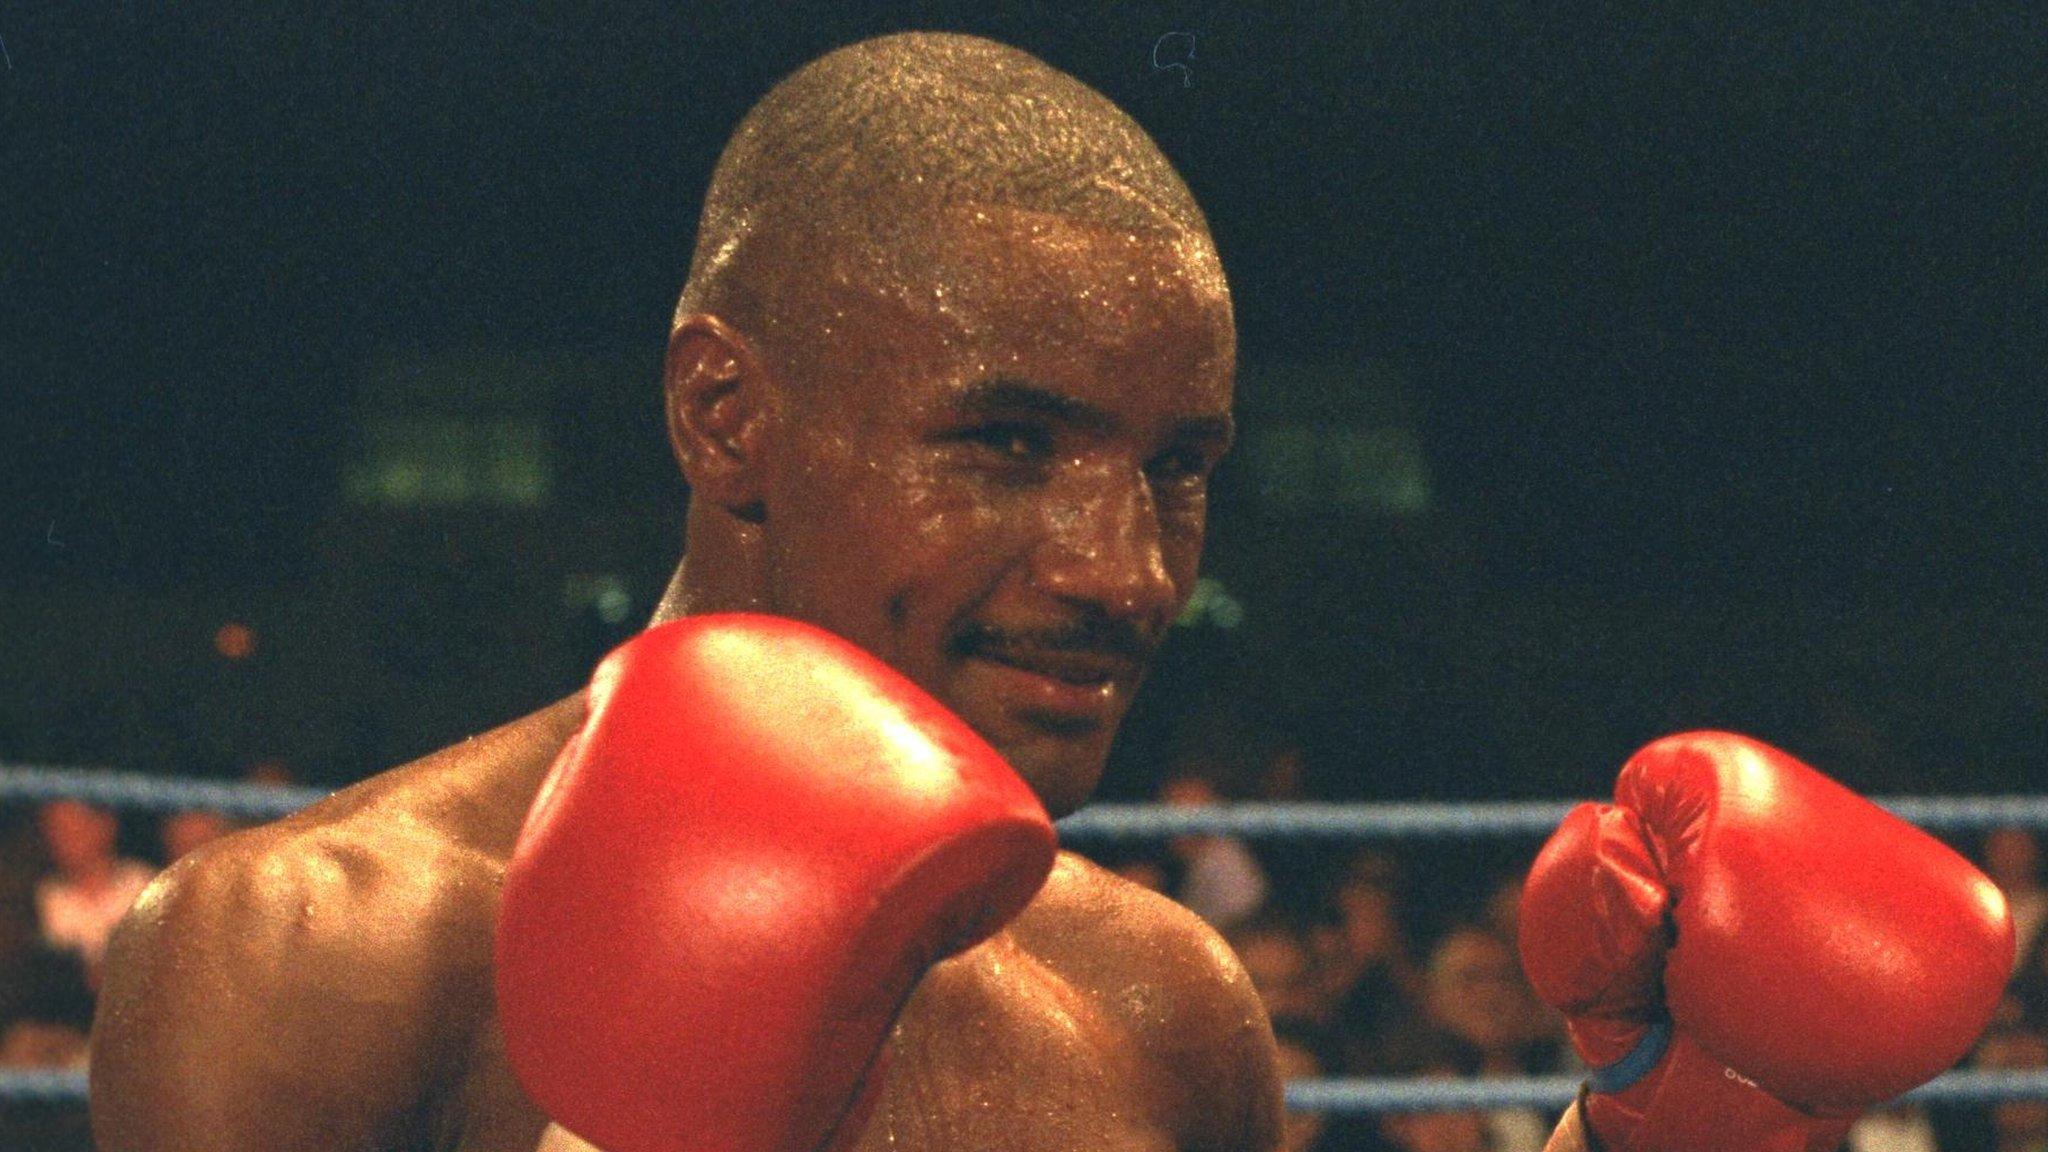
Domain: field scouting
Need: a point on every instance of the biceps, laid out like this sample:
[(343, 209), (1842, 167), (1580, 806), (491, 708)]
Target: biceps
[(184, 1060), (1229, 1091), (166, 1083)]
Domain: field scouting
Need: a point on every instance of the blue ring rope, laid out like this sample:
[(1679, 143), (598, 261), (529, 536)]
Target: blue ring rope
[(1554, 1092), (22, 783), (1337, 1095), (1113, 822), (1408, 819)]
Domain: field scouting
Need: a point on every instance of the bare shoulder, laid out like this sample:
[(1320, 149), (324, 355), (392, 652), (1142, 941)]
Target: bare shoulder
[(323, 969), (1167, 977), (1084, 907)]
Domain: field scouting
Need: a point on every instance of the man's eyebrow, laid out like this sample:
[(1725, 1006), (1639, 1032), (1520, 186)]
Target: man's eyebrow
[(1012, 396)]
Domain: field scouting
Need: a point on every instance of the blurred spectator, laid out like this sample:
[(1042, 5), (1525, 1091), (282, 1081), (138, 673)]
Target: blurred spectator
[(1369, 984), (1436, 1131), (49, 1014), (1280, 773), (1479, 1010), (2012, 858), (1503, 917), (2026, 1001), (2016, 1125), (1425, 1054), (1276, 955), (1476, 994), (1144, 865), (22, 861), (1294, 867), (47, 1027), (91, 888), (1306, 1053), (181, 832), (1221, 880), (270, 773), (1503, 911)]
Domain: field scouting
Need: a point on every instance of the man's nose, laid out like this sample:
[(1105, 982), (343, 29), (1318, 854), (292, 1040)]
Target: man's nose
[(1104, 549)]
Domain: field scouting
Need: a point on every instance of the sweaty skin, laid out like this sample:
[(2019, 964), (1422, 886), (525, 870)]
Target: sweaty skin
[(986, 490), (322, 983), (995, 480)]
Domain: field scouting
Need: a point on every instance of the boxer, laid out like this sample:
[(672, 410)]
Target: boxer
[(948, 379)]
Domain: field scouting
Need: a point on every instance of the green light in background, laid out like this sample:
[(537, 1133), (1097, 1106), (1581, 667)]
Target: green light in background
[(1212, 604), (447, 463), (1302, 468)]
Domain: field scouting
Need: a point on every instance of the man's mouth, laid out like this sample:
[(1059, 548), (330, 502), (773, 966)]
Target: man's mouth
[(1081, 669), (1068, 689)]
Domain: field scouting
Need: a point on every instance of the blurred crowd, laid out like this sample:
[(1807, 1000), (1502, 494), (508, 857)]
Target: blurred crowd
[(1373, 960), (68, 872)]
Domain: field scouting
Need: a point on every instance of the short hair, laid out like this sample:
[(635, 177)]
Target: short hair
[(859, 150)]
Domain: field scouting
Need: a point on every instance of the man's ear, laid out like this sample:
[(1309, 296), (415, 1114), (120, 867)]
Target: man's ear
[(718, 398)]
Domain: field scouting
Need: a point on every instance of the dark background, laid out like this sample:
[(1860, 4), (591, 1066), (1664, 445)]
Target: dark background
[(1719, 332)]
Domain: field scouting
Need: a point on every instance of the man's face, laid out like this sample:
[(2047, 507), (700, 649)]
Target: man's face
[(996, 478), (1477, 990)]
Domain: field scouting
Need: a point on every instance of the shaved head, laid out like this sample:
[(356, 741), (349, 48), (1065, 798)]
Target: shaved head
[(953, 368), (842, 177)]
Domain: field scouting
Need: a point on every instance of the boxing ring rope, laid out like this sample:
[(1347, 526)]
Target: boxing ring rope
[(1419, 819), (1350, 1094), (1104, 823), (1401, 819), (30, 784)]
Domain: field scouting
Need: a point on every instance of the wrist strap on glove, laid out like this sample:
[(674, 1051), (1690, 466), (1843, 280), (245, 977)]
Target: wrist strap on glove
[(1685, 1100), (1623, 1073)]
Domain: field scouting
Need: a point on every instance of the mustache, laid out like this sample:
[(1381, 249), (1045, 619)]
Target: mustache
[(1095, 636)]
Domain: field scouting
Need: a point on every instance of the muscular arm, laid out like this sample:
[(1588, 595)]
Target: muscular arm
[(1191, 1004), (274, 995), (1239, 1102)]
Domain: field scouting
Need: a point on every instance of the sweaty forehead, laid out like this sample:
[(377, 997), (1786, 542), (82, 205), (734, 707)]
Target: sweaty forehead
[(993, 255), (1002, 286), (916, 309)]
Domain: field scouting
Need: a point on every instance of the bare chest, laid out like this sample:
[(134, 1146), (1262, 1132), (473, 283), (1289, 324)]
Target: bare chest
[(993, 1053), (997, 1054)]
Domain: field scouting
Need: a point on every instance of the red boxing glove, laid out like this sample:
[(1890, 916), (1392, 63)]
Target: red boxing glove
[(734, 877), (1750, 954)]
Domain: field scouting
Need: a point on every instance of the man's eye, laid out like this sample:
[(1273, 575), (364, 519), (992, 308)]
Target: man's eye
[(1019, 442), (1182, 465)]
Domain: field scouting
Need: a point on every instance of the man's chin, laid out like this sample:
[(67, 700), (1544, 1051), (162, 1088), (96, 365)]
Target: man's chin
[(1062, 768), (1058, 745)]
